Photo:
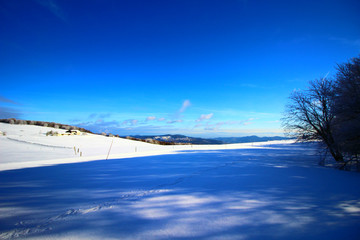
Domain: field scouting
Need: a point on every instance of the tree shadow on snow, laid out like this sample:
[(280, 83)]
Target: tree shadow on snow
[(277, 192)]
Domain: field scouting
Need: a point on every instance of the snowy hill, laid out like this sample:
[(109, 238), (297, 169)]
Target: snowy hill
[(29, 146)]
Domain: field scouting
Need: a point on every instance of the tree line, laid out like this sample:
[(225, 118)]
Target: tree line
[(43, 124), (329, 111)]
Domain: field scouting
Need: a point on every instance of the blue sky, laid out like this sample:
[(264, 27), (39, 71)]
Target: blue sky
[(199, 68)]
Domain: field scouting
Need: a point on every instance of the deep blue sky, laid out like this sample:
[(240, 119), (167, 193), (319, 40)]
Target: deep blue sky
[(200, 68)]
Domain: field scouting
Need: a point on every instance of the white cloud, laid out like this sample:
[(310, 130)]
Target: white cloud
[(134, 122), (184, 106), (131, 122), (177, 117), (161, 119), (151, 118), (204, 117), (175, 121), (99, 121)]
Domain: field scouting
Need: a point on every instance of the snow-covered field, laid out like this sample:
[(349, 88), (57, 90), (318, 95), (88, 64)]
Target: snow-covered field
[(28, 146), (241, 191)]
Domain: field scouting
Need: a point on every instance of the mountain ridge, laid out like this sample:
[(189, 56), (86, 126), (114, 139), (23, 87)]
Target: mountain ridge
[(251, 138), (164, 138), (179, 138)]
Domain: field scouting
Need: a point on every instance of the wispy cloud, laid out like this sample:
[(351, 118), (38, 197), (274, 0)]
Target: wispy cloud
[(203, 128), (177, 116), (99, 115), (346, 41), (175, 121), (130, 122), (100, 125), (6, 100), (93, 115), (75, 120), (129, 127), (53, 7), (249, 85), (218, 125), (184, 106), (150, 118), (6, 112), (105, 115), (204, 117)]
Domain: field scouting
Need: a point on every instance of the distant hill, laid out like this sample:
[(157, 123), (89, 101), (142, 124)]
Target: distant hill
[(157, 139), (178, 139), (182, 139), (249, 139)]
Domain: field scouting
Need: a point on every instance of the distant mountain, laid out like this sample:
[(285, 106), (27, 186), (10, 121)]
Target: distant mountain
[(249, 139), (182, 139), (179, 139)]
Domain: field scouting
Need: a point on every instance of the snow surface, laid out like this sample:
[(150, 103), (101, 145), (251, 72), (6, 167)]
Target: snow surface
[(28, 146), (245, 191)]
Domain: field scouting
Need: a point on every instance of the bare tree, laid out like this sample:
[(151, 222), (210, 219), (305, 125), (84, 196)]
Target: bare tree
[(309, 115), (347, 107)]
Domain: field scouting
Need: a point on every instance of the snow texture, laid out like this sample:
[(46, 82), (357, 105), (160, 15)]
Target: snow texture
[(271, 191)]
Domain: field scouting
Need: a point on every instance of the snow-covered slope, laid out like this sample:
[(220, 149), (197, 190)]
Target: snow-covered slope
[(28, 146), (25, 143)]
